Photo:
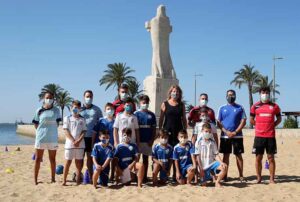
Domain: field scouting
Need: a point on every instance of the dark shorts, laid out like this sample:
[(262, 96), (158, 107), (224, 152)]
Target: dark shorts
[(226, 145), (261, 144), (88, 144)]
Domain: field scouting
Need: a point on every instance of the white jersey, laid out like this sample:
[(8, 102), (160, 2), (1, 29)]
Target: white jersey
[(75, 126), (126, 121), (198, 129), (207, 151)]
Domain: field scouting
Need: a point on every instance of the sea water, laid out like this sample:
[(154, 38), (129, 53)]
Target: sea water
[(8, 136)]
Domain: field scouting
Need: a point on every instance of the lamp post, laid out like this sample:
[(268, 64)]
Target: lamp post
[(196, 75), (274, 83)]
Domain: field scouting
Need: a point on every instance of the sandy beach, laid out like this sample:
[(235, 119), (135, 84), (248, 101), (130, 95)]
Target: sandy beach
[(19, 186)]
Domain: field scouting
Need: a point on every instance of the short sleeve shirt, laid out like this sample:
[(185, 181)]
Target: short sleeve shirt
[(105, 124), (147, 125), (91, 115), (126, 154), (198, 129), (126, 121), (101, 153), (47, 120), (207, 150), (265, 114), (162, 153), (75, 126), (194, 114), (183, 154), (231, 116)]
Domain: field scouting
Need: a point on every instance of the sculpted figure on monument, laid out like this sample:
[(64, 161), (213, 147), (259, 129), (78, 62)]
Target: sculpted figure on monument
[(160, 29)]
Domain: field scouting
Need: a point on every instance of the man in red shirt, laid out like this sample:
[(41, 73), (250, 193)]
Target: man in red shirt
[(194, 115), (122, 95), (262, 115)]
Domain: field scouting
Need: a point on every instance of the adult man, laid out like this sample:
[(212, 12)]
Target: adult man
[(194, 115), (231, 120), (92, 114), (122, 95), (262, 115)]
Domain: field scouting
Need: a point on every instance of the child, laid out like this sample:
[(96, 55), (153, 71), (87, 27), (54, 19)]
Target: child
[(126, 119), (126, 153), (204, 118), (207, 153), (106, 123), (147, 131), (75, 129), (162, 158), (102, 154), (184, 163)]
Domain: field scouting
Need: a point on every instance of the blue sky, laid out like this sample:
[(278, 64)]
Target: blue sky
[(71, 42)]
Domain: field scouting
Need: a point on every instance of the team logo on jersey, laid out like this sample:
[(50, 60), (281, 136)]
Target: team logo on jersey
[(187, 148), (167, 151), (234, 110), (149, 116), (271, 107), (130, 148)]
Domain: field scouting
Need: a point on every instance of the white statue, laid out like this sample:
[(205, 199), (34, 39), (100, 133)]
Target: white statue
[(160, 30)]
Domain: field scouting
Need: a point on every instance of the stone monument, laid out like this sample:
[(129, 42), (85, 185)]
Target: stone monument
[(163, 74)]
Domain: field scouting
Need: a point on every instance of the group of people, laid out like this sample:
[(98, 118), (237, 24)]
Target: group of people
[(117, 146)]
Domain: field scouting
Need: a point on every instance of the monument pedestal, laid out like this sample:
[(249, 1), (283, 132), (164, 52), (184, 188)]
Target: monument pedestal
[(157, 90)]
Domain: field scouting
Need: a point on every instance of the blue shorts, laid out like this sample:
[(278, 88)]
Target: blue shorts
[(184, 170), (212, 168), (103, 178)]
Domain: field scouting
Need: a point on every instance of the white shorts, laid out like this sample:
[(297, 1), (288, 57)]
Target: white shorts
[(71, 154), (145, 149), (47, 146)]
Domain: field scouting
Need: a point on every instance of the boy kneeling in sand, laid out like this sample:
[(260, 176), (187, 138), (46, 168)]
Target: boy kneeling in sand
[(207, 153), (162, 158), (184, 163), (102, 154), (127, 156), (75, 128)]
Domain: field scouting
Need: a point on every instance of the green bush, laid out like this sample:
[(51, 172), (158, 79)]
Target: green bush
[(290, 122)]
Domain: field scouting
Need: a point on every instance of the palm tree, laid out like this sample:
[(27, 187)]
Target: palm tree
[(55, 89), (116, 74), (64, 100), (248, 76), (263, 81), (134, 89)]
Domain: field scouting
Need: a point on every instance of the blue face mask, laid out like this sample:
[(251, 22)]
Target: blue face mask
[(128, 108), (104, 141), (75, 111)]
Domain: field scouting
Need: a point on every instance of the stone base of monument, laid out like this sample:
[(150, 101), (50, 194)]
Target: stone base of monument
[(157, 90)]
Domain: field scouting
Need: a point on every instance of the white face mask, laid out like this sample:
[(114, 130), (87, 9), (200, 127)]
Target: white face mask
[(183, 140), (173, 95), (144, 106), (206, 135), (88, 100), (123, 96), (48, 101), (126, 139), (163, 141), (265, 98), (203, 103), (110, 112), (204, 118)]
